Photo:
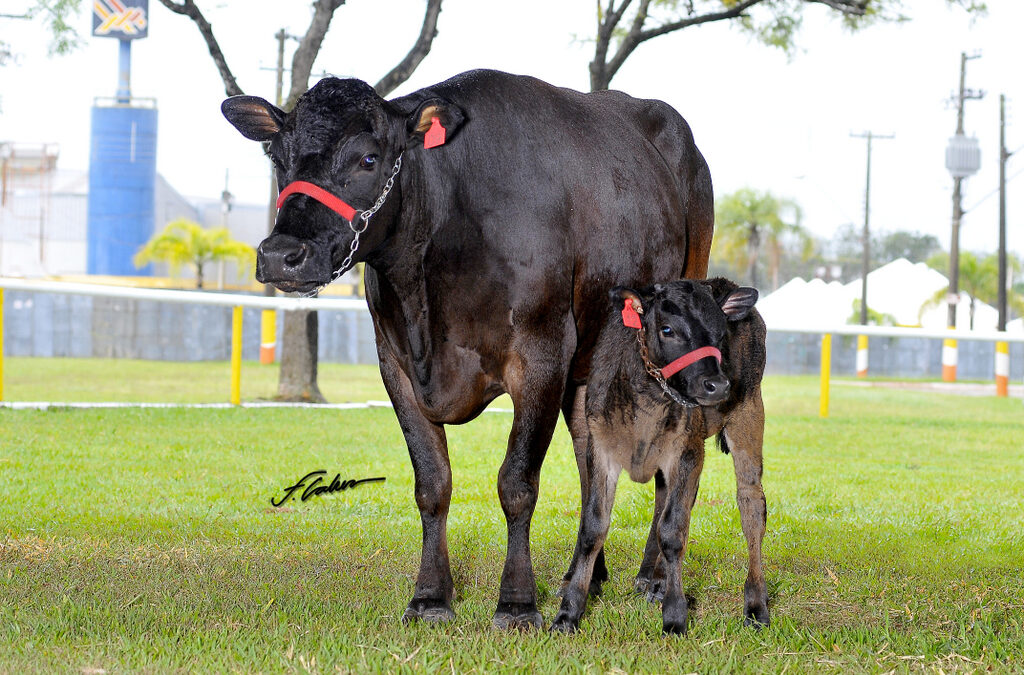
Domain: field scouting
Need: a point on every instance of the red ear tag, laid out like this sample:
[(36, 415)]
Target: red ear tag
[(435, 134), (630, 318)]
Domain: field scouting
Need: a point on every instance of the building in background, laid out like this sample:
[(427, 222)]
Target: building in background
[(44, 215)]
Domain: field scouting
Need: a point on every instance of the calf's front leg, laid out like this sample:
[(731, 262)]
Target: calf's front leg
[(595, 518), (673, 532)]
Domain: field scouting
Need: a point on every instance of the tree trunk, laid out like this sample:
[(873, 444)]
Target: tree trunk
[(298, 362)]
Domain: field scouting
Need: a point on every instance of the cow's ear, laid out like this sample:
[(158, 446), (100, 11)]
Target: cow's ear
[(254, 117), (449, 116), (738, 304), (620, 294)]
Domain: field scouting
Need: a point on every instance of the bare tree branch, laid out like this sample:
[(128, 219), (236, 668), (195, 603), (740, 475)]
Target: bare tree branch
[(603, 69), (605, 30), (419, 51), (309, 47), (189, 9)]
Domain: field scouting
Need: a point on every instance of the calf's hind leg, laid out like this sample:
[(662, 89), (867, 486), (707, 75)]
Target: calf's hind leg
[(744, 436)]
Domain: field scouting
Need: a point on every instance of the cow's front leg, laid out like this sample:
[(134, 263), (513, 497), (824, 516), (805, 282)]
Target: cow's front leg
[(595, 518), (673, 532), (744, 434), (428, 450), (536, 402)]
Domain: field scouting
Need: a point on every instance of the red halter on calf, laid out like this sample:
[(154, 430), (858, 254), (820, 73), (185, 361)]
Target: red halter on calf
[(631, 319)]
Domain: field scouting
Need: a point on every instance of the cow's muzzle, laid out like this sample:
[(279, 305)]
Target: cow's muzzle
[(291, 264)]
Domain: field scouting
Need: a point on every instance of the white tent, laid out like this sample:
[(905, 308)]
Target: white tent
[(900, 289)]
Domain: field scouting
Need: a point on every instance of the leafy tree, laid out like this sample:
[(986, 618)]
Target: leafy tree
[(847, 248), (751, 226), (297, 380), (979, 278), (183, 242), (913, 246), (875, 318), (624, 25)]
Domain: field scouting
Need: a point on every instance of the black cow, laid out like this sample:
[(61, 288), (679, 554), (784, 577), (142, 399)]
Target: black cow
[(675, 364), (501, 207)]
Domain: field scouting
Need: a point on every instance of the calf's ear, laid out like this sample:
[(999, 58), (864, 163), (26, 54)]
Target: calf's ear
[(620, 294), (738, 304), (254, 117), (449, 116)]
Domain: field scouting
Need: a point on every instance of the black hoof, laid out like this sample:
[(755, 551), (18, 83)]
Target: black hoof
[(517, 616), (674, 627), (563, 624), (756, 617), (656, 591), (430, 611)]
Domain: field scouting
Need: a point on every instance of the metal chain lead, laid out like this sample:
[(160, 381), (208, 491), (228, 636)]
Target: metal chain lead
[(365, 217), (655, 372)]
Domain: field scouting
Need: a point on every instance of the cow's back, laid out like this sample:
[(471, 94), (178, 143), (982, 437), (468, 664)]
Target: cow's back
[(588, 189)]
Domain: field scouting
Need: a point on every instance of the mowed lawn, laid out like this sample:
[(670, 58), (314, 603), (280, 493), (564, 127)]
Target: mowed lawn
[(145, 539)]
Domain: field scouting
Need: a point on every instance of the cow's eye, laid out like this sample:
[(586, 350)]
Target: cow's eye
[(368, 161), (666, 331)]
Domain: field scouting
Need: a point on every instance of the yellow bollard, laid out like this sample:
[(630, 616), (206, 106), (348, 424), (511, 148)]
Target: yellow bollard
[(1, 344), (826, 372), (236, 355), (268, 336), (1002, 369)]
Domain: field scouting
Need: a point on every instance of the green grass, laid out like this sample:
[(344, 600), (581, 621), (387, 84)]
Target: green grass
[(96, 380), (144, 540)]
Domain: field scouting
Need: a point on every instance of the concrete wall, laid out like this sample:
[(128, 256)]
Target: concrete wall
[(47, 324), (800, 354)]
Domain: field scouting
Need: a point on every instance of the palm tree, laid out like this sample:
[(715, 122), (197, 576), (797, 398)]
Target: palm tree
[(749, 222), (979, 278), (183, 242)]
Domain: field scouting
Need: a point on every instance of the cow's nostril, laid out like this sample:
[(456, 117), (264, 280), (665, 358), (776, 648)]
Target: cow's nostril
[(296, 256)]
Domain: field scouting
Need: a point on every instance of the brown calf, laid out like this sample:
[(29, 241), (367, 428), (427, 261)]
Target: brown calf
[(683, 362)]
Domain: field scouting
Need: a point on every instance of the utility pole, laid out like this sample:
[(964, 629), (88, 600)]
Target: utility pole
[(862, 340), (959, 174), (1002, 365), (1003, 156), (268, 318), (866, 236)]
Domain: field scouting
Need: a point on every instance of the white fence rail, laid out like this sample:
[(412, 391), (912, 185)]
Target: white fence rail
[(238, 301)]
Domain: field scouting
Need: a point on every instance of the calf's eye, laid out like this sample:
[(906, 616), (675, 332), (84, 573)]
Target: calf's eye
[(368, 161), (666, 331)]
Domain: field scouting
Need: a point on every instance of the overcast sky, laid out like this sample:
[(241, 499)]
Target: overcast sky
[(761, 119)]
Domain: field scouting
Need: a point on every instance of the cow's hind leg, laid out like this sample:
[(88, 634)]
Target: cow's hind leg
[(575, 420), (744, 436), (537, 397), (428, 450), (673, 531)]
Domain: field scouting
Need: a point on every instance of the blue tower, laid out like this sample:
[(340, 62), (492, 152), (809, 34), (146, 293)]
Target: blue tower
[(122, 158)]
